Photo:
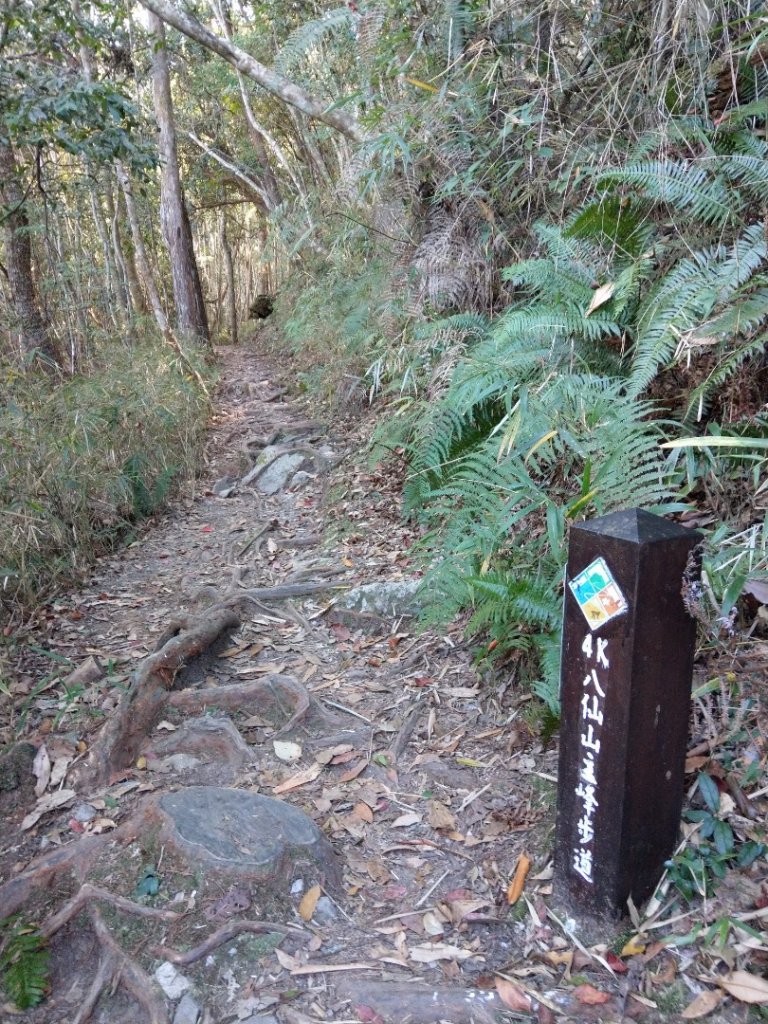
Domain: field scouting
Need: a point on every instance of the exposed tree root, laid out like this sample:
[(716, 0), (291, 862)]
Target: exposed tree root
[(119, 742), (222, 935), (131, 976), (42, 872), (282, 693), (87, 895)]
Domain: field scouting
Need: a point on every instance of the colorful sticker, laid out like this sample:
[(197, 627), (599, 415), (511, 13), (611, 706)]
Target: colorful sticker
[(597, 594)]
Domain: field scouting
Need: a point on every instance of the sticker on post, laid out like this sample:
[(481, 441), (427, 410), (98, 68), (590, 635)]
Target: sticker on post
[(597, 594)]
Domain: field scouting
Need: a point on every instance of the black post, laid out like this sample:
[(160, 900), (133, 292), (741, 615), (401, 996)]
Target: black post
[(628, 645)]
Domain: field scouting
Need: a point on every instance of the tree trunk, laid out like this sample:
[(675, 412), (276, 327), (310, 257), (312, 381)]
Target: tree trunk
[(36, 339), (142, 260), (270, 80), (229, 266), (187, 291)]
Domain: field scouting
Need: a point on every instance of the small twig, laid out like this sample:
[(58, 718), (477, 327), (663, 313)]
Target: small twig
[(431, 889), (471, 797), (222, 935), (349, 711)]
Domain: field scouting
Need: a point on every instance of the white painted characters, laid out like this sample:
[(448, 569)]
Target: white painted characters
[(595, 650)]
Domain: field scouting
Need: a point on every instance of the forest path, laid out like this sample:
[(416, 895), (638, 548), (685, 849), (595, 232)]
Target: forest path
[(429, 792)]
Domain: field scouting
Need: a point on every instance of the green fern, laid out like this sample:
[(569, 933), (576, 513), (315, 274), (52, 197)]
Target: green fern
[(310, 35), (681, 185), (24, 962)]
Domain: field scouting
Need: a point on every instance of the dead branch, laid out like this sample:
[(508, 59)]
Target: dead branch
[(222, 935)]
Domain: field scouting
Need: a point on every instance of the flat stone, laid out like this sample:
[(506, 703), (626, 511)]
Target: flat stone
[(188, 1011), (247, 834), (279, 474), (389, 598), (171, 981)]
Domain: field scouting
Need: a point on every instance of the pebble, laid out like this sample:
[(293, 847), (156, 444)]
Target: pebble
[(84, 812)]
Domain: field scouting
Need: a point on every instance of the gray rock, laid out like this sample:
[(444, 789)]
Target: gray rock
[(180, 762), (389, 599), (188, 1010), (224, 486), (278, 475), (84, 812), (325, 911), (247, 835), (301, 479), (171, 981)]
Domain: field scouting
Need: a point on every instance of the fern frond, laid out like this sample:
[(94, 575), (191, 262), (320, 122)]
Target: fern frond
[(309, 36), (680, 185), (24, 963)]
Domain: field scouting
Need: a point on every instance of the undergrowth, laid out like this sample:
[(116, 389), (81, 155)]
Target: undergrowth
[(83, 460)]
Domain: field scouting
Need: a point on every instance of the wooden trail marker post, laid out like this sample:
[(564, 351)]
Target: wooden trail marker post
[(628, 646)]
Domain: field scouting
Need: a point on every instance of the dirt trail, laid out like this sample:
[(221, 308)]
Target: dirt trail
[(428, 791)]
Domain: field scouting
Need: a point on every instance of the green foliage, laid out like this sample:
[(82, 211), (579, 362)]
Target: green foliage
[(84, 459), (520, 445), (24, 959), (696, 871)]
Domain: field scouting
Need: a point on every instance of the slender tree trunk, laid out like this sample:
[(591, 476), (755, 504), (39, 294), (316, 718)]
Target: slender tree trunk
[(187, 291), (142, 260), (36, 338), (229, 267), (121, 276)]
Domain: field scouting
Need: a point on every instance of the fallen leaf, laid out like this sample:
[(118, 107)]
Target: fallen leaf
[(362, 812), (368, 1015), (439, 951), (169, 726), (746, 987), (600, 296), (290, 963), (309, 902), (439, 816), (588, 995), (513, 996), (409, 818), (327, 755), (354, 771), (432, 923), (41, 766), (634, 947), (141, 763), (515, 888), (286, 750), (48, 803), (704, 1003), (299, 779), (615, 963)]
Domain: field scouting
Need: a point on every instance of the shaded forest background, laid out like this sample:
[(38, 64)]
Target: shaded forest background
[(532, 234)]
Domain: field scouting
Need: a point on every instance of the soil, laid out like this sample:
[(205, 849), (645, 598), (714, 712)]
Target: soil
[(430, 784)]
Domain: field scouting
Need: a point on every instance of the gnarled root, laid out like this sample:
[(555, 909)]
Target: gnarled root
[(120, 740)]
